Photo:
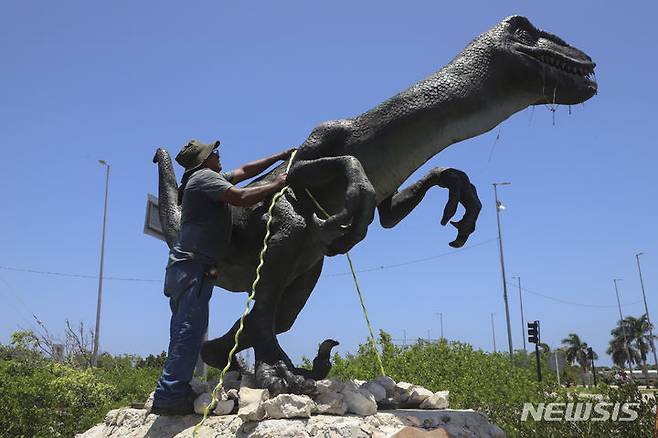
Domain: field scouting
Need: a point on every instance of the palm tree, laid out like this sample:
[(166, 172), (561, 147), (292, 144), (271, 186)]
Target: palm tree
[(576, 350), (619, 349), (637, 344)]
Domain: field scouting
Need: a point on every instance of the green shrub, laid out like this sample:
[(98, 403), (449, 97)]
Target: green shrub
[(488, 383), (45, 399), (40, 398)]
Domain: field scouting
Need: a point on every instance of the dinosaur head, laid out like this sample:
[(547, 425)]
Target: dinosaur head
[(537, 63)]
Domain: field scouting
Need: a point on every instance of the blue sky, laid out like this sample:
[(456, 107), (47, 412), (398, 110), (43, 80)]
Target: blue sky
[(113, 81)]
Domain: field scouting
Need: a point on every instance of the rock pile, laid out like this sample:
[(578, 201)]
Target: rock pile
[(238, 396), (379, 408)]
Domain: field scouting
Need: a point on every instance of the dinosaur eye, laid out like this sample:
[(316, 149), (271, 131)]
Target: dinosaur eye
[(524, 35)]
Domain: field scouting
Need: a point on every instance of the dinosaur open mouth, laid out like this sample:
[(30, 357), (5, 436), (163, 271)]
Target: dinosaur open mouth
[(575, 69)]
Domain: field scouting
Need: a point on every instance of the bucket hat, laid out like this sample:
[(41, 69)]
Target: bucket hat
[(194, 153)]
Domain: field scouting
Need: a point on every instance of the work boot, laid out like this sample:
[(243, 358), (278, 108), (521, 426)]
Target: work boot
[(184, 407)]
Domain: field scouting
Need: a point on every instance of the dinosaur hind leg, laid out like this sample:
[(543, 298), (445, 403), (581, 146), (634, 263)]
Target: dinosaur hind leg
[(215, 352)]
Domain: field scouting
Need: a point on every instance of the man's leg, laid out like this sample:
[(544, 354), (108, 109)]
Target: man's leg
[(190, 294)]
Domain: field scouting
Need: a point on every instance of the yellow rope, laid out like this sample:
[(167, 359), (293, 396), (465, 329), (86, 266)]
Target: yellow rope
[(261, 262), (247, 309)]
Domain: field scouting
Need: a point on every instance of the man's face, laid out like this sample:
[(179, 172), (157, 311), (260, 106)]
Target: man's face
[(213, 162)]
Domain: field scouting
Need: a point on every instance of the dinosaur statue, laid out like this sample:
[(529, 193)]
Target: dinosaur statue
[(355, 166)]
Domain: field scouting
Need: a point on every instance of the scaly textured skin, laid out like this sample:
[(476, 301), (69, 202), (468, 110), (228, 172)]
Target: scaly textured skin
[(356, 166)]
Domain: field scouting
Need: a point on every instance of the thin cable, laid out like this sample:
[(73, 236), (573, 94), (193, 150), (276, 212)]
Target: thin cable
[(358, 291), (572, 303), (66, 274), (338, 274), (414, 261)]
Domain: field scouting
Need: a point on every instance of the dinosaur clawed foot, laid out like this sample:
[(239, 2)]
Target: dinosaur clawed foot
[(282, 379), (278, 379)]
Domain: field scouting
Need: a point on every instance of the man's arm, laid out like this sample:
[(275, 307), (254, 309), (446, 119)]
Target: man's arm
[(256, 167), (248, 196)]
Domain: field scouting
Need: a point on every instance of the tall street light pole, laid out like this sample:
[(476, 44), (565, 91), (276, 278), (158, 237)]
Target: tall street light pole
[(100, 275), (646, 310), (522, 320), (499, 206), (623, 327), (493, 331), (441, 321)]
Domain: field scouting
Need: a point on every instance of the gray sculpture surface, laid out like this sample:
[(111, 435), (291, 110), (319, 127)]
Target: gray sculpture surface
[(356, 166)]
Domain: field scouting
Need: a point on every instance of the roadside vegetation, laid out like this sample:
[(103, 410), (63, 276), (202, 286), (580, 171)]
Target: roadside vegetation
[(44, 393)]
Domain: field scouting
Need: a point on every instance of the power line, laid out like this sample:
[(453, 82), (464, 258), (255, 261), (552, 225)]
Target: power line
[(573, 303), (410, 262), (338, 274), (378, 268), (71, 275)]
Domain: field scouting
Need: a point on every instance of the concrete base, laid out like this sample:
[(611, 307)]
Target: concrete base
[(401, 423)]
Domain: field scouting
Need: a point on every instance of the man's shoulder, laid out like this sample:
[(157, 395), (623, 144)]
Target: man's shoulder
[(208, 181), (205, 176), (204, 173)]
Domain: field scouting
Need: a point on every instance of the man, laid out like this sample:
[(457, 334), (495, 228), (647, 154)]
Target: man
[(205, 194)]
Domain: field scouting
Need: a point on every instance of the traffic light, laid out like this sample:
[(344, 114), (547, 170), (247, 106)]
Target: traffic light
[(533, 332)]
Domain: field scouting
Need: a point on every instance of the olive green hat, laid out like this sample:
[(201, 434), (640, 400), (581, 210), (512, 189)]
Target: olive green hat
[(194, 153)]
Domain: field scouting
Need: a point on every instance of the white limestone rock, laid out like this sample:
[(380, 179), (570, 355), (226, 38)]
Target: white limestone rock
[(402, 392), (233, 394), (360, 402), (376, 390), (438, 400), (288, 406), (148, 404), (387, 383), (224, 407), (329, 385), (137, 423), (201, 402), (251, 403), (418, 394), (349, 386), (198, 386), (224, 404), (331, 403)]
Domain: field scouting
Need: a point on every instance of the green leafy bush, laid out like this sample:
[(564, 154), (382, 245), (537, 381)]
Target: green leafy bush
[(488, 383), (41, 398)]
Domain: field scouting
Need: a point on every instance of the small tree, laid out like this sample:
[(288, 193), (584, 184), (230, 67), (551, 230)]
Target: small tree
[(576, 350)]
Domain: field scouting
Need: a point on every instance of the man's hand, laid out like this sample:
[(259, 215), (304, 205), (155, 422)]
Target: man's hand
[(280, 181), (248, 196)]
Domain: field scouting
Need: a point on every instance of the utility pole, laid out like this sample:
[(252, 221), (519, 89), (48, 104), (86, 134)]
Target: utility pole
[(623, 328), (441, 321), (493, 331), (646, 310), (499, 206), (522, 321), (100, 275)]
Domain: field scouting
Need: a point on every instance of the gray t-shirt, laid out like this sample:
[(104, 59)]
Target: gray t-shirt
[(205, 232)]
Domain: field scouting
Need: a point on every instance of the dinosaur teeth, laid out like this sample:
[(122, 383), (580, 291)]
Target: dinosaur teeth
[(564, 65)]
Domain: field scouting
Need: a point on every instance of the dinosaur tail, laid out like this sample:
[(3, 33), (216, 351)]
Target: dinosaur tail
[(167, 196)]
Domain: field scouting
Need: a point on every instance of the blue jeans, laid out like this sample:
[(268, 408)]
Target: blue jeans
[(189, 292)]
